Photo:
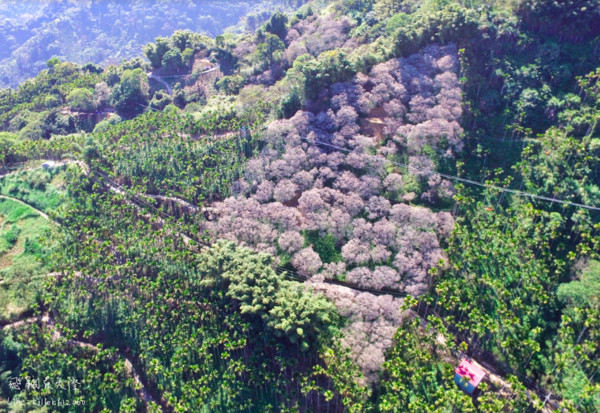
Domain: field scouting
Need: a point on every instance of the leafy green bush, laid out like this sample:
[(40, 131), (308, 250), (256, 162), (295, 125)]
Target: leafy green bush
[(230, 84), (329, 68), (12, 235), (277, 25), (160, 100), (101, 126), (130, 95), (290, 104), (81, 99), (324, 245)]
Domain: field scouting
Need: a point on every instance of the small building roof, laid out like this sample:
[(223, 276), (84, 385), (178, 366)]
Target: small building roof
[(473, 373)]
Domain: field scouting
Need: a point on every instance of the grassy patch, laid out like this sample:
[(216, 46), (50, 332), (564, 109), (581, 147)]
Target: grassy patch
[(40, 188), (24, 249), (25, 235)]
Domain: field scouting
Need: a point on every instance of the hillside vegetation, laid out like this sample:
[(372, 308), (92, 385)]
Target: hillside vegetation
[(104, 32), (325, 214), (26, 237)]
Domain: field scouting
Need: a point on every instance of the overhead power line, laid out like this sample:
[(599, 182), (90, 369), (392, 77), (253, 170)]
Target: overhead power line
[(471, 182), (292, 275), (135, 198)]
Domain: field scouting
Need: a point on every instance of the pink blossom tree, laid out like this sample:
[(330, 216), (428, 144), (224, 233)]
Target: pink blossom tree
[(290, 241), (285, 190), (307, 262), (264, 191)]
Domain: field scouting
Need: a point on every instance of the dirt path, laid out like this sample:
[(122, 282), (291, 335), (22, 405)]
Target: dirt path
[(167, 86), (495, 373), (161, 81), (140, 387), (494, 376), (43, 214), (25, 321), (55, 165), (134, 201)]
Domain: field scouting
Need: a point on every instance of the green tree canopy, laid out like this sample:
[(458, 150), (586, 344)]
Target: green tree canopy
[(155, 51), (52, 62), (585, 290), (172, 61), (267, 51), (130, 95), (284, 307), (81, 99), (276, 25)]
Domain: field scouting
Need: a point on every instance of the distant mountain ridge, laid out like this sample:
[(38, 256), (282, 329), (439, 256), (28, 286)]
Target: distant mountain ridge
[(107, 31)]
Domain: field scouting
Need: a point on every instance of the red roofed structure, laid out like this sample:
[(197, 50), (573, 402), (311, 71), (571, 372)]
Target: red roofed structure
[(468, 376)]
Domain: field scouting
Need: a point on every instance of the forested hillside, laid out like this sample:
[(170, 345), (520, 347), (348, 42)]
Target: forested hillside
[(105, 31), (327, 212)]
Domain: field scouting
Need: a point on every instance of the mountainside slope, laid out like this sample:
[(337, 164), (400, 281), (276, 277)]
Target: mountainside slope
[(104, 32), (327, 214)]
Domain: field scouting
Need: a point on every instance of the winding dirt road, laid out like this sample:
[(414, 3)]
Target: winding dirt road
[(139, 386), (43, 214)]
